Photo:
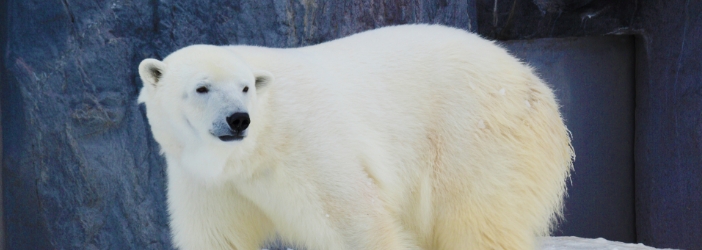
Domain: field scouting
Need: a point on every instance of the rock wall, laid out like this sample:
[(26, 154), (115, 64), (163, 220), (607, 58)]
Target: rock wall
[(669, 126)]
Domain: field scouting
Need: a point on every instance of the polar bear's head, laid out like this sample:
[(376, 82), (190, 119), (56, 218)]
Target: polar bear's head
[(202, 103)]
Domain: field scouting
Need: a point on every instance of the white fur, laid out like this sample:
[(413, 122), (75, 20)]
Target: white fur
[(404, 137)]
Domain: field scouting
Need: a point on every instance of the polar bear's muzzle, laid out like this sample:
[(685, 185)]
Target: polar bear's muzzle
[(235, 128)]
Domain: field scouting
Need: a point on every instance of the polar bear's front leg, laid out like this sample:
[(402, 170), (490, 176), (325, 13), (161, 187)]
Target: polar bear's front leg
[(342, 212), (219, 217)]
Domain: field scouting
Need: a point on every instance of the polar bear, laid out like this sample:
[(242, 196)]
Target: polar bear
[(403, 137)]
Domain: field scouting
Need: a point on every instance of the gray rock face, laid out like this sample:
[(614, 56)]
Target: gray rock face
[(507, 19), (669, 128), (80, 168)]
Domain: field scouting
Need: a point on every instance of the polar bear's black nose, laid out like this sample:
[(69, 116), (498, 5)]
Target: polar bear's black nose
[(238, 121)]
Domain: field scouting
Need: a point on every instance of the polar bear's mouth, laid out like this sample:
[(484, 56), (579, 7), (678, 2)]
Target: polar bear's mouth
[(227, 135), (231, 137)]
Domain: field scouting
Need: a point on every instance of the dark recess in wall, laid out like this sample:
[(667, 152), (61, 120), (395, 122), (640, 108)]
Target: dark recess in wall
[(593, 79)]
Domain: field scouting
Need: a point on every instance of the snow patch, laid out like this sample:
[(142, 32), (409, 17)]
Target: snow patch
[(575, 243), (571, 243)]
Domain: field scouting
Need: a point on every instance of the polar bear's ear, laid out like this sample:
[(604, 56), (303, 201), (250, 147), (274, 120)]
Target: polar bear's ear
[(263, 79), (151, 71)]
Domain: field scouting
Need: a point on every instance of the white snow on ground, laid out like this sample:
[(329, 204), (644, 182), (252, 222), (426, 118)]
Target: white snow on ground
[(575, 243), (570, 243)]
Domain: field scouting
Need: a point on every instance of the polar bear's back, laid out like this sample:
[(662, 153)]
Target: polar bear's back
[(405, 82), (422, 70)]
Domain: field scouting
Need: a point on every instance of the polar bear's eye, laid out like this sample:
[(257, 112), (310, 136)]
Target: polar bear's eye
[(202, 90), (246, 89)]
